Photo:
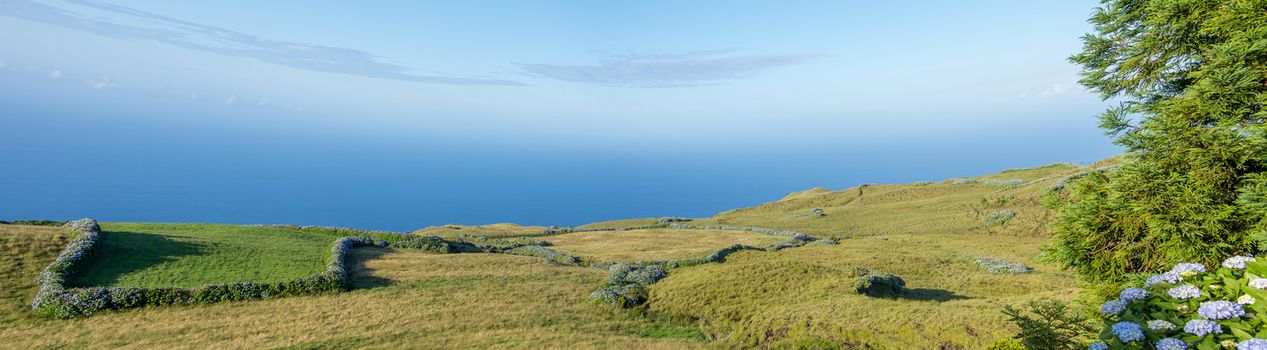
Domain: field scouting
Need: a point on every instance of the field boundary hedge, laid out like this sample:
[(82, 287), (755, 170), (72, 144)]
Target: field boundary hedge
[(55, 299)]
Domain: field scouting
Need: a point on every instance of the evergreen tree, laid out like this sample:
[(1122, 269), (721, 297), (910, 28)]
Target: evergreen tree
[(1190, 77)]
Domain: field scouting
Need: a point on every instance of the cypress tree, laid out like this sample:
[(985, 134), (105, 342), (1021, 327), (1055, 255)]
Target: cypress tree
[(1188, 78)]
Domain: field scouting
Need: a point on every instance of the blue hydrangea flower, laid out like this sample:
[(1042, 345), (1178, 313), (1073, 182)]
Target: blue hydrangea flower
[(1260, 283), (1171, 344), (1202, 328), (1186, 291), (1160, 325), (1113, 307), (1237, 262), (1252, 344), (1098, 346), (1169, 278), (1188, 269), (1128, 331), (1131, 294), (1220, 310)]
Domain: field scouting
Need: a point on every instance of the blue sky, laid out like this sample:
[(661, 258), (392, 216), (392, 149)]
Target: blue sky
[(440, 110)]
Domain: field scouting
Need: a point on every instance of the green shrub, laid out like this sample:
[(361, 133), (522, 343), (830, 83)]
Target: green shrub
[(35, 222), (994, 265), (1192, 306), (1006, 344), (877, 284), (1049, 325), (998, 218)]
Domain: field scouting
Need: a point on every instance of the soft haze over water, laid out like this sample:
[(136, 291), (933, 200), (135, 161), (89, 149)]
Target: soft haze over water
[(403, 115)]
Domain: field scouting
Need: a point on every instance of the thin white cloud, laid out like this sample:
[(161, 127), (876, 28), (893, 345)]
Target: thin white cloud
[(101, 84), (668, 70), (1057, 90), (127, 23), (55, 74), (231, 100)]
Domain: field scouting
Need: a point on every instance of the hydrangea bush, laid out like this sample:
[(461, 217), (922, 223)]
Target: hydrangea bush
[(995, 265), (1191, 307)]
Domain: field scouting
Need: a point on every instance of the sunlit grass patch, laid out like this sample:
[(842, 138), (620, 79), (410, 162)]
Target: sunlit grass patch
[(655, 244), (194, 255)]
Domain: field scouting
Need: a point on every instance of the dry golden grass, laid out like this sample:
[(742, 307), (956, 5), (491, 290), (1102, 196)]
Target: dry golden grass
[(899, 209), (411, 300), (794, 295), (493, 230), (928, 234), (653, 244), (622, 223), (24, 251)]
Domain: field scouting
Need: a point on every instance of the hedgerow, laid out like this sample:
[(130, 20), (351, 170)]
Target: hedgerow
[(55, 299)]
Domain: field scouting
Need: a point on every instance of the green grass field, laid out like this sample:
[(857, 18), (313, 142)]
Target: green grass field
[(192, 255), (929, 234)]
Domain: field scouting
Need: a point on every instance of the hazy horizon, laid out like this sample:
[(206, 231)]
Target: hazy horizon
[(410, 114)]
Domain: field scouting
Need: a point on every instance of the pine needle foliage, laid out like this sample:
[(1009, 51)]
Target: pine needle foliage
[(1189, 77)]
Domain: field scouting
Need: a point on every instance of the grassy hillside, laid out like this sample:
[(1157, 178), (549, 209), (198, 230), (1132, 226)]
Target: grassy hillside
[(928, 233), (636, 245), (407, 299), (942, 207), (192, 255)]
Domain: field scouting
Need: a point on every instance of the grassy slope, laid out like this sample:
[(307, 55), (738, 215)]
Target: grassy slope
[(24, 252), (193, 255), (456, 301), (928, 234), (653, 244)]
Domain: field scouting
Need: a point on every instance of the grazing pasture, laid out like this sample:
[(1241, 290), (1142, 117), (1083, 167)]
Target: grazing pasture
[(193, 255)]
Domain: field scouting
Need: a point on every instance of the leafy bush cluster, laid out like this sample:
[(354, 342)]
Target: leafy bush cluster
[(761, 230), (995, 265), (998, 218), (1003, 183), (1191, 307), (56, 300), (485, 244), (668, 219), (877, 284), (626, 284), (544, 253), (562, 230), (33, 222)]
